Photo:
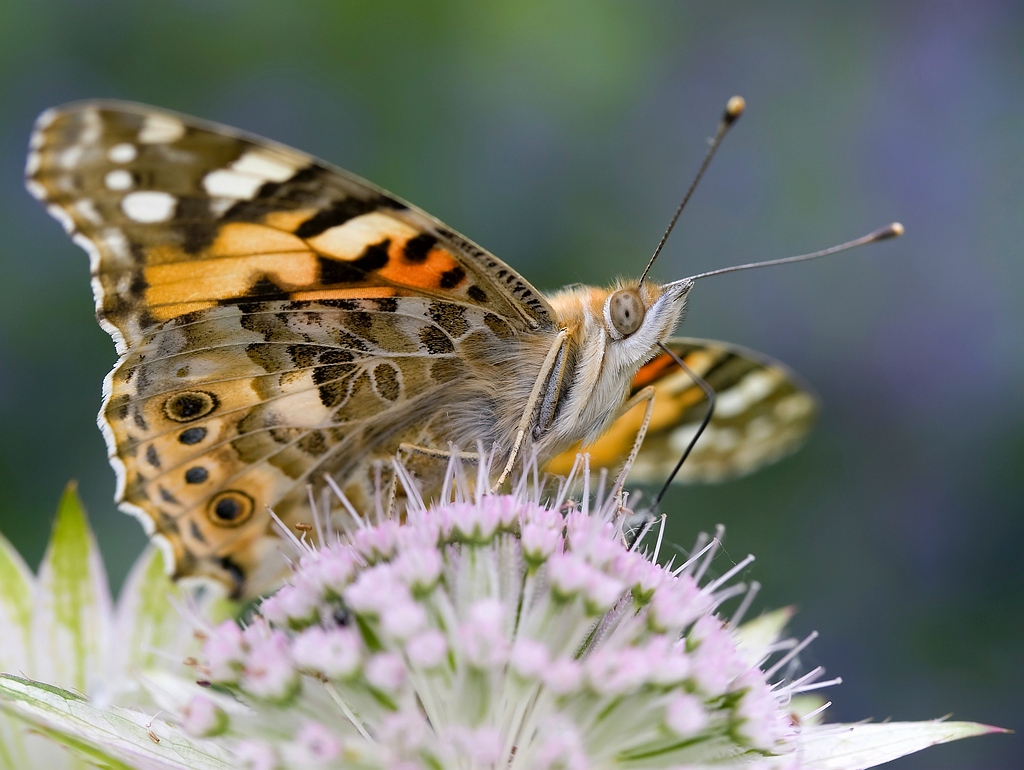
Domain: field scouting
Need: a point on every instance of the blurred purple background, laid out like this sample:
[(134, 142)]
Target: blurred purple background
[(561, 136)]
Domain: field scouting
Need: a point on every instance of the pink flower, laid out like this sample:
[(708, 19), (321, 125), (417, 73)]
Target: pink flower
[(491, 633), (496, 632)]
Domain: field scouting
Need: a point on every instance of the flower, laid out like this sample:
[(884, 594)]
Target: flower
[(492, 631), (63, 628)]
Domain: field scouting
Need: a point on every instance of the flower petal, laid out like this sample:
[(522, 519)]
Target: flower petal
[(72, 617), (115, 738), (16, 586), (172, 693), (756, 636), (149, 625), (853, 747), (146, 620)]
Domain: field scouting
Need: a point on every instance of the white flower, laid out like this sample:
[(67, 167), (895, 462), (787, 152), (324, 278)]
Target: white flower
[(490, 632), (63, 629)]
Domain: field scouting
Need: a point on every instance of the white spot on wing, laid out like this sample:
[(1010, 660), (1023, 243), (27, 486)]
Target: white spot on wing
[(149, 206), (161, 129), (118, 179), (347, 241), (747, 392), (116, 245), (92, 127), (681, 437), (265, 165), (794, 407), (674, 384), (32, 163), (65, 183), (724, 439), (243, 179), (122, 153), (302, 408), (220, 205), (761, 428), (70, 157), (88, 211), (228, 184)]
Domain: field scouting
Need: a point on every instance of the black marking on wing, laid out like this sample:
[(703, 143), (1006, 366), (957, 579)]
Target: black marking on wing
[(340, 213), (417, 248)]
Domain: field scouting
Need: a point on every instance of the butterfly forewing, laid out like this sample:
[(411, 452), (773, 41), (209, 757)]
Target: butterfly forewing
[(187, 215), (764, 412), (277, 319)]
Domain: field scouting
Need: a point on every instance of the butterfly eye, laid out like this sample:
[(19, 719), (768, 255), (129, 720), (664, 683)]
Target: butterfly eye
[(626, 311)]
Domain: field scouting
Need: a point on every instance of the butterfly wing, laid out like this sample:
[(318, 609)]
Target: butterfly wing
[(182, 215), (763, 413), (277, 319)]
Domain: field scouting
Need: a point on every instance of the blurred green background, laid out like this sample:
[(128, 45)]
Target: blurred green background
[(561, 136)]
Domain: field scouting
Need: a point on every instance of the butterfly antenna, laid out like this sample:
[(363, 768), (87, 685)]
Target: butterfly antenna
[(710, 394), (892, 231), (895, 230), (733, 109)]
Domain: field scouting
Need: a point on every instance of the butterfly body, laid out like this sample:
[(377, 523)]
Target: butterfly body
[(279, 321)]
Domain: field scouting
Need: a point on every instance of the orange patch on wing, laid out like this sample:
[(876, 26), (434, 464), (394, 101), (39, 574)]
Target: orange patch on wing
[(652, 371), (614, 444), (366, 292), (227, 277), (165, 255), (422, 275), (288, 220), (166, 312), (663, 367), (561, 464), (238, 239)]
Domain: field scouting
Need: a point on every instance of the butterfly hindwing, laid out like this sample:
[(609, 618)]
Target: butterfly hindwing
[(225, 411), (277, 319), (763, 412)]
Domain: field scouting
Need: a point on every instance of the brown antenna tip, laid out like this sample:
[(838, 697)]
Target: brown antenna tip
[(733, 109)]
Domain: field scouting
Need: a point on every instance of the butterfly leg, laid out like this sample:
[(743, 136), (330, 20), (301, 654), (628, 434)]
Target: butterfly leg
[(407, 450), (531, 406), (438, 454), (645, 395), (392, 506)]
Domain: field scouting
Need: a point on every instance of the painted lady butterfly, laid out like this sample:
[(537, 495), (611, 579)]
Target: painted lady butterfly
[(279, 320)]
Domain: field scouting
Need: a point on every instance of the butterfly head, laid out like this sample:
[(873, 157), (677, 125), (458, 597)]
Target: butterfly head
[(637, 316), (611, 333)]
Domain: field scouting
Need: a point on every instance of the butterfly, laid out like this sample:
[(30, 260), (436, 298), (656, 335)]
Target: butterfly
[(279, 321)]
